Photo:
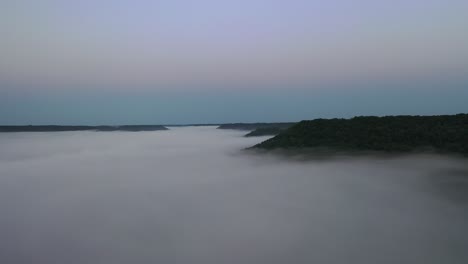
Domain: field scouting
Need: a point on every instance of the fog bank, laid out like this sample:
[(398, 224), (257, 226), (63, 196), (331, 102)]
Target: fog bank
[(191, 195)]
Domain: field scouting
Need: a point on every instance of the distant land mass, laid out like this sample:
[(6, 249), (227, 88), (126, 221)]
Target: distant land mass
[(191, 125), (57, 128), (258, 129), (266, 131), (444, 133)]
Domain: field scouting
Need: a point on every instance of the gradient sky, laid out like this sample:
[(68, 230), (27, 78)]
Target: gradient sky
[(210, 61)]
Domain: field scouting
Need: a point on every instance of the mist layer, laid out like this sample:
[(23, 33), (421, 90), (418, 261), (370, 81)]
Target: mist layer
[(192, 195)]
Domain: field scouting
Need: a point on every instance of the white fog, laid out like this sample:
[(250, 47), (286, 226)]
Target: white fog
[(193, 195)]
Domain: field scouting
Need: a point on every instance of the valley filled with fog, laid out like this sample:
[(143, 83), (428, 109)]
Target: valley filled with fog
[(194, 195)]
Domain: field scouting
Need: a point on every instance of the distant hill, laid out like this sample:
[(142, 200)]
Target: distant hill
[(189, 125), (54, 128), (446, 133), (266, 131), (254, 126)]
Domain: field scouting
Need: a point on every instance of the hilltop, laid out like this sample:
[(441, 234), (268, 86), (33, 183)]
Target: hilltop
[(445, 133)]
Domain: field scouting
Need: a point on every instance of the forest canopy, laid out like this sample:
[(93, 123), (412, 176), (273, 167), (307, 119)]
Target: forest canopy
[(444, 133)]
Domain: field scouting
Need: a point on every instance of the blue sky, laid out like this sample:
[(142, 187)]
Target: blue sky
[(207, 61)]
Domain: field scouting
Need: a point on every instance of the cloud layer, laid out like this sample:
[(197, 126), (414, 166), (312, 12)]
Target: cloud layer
[(191, 195)]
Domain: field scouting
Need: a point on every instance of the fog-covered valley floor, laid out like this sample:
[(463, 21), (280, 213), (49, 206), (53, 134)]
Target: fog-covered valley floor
[(192, 195)]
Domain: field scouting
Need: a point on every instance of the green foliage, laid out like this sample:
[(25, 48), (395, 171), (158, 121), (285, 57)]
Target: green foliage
[(390, 134)]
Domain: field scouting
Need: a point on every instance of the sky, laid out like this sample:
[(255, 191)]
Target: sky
[(212, 61)]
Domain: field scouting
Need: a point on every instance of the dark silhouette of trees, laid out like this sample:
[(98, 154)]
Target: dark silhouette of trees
[(445, 133)]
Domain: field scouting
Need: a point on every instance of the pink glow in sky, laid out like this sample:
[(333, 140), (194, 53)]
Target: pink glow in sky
[(163, 43)]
